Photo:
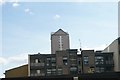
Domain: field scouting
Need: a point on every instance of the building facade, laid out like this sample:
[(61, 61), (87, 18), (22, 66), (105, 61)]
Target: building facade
[(115, 47), (42, 64), (61, 63), (59, 41), (88, 58), (67, 61), (104, 62), (97, 62)]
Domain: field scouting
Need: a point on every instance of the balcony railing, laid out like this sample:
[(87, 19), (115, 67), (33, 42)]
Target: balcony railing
[(36, 74), (109, 62), (38, 64)]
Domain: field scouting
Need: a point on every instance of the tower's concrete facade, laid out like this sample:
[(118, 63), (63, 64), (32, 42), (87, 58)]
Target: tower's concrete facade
[(59, 41)]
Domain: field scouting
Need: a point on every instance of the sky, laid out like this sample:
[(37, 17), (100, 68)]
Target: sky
[(25, 27)]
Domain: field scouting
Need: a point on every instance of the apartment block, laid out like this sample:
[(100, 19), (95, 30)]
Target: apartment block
[(88, 59), (36, 65), (59, 41), (104, 62), (61, 63), (67, 62), (97, 61), (50, 65)]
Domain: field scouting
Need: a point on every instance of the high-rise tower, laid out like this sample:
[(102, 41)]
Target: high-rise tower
[(119, 19), (59, 41)]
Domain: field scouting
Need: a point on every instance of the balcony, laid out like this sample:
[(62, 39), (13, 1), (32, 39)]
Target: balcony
[(73, 64), (109, 62), (36, 74), (38, 64)]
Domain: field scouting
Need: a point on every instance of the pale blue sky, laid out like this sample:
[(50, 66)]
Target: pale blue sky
[(26, 27)]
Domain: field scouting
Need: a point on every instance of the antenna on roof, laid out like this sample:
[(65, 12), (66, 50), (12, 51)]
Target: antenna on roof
[(80, 45)]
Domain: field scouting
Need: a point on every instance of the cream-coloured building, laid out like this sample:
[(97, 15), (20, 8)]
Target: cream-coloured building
[(115, 47), (21, 71), (59, 41)]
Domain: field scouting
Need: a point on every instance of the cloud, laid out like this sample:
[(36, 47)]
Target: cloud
[(28, 11), (15, 4), (2, 76), (101, 47), (2, 2), (2, 60), (57, 16), (21, 58)]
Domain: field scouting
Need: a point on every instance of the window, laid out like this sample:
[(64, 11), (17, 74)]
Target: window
[(53, 64), (48, 59), (47, 64), (48, 71), (99, 60), (36, 60), (85, 60), (54, 71), (79, 62), (72, 54), (73, 69), (53, 59), (60, 43), (38, 71), (73, 59), (65, 61), (99, 69), (59, 71), (108, 60)]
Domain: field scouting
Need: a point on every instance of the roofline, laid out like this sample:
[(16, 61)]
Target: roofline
[(57, 31), (111, 43), (16, 67)]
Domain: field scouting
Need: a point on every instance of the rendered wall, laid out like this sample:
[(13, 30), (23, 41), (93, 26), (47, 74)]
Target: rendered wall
[(21, 71)]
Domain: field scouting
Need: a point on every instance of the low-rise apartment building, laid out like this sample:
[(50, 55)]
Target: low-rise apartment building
[(104, 62), (61, 63), (88, 61), (97, 62)]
